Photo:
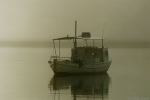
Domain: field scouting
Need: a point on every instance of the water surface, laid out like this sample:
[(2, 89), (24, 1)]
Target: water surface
[(25, 75)]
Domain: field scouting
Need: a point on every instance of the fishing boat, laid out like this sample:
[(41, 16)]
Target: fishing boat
[(84, 59)]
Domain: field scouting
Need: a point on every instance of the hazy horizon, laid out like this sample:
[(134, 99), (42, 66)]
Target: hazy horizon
[(40, 21), (108, 44)]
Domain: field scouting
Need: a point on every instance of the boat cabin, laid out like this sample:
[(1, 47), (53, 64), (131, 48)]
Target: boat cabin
[(86, 54), (89, 55)]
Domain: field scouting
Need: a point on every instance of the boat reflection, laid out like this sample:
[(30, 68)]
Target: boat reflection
[(85, 87)]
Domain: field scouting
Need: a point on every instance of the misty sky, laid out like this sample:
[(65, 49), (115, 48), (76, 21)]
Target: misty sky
[(41, 20)]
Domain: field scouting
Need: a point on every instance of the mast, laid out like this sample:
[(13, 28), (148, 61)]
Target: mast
[(102, 48), (103, 39), (102, 43), (75, 38), (59, 48), (75, 43)]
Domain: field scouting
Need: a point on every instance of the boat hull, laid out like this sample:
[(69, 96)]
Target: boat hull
[(73, 68)]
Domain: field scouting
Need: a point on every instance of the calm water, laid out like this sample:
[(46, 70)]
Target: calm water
[(26, 75)]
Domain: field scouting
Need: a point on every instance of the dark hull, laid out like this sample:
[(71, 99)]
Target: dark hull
[(69, 68)]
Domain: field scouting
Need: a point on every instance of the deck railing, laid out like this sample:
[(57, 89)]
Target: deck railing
[(60, 58)]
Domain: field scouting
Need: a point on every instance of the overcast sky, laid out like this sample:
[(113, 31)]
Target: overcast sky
[(41, 20)]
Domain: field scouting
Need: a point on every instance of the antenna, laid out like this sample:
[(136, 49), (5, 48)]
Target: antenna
[(75, 42), (103, 36), (103, 43)]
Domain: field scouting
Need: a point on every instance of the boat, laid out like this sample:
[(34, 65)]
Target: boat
[(88, 58)]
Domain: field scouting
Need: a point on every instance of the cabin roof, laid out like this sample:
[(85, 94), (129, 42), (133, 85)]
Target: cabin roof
[(64, 38), (70, 38)]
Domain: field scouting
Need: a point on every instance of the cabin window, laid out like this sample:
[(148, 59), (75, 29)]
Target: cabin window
[(93, 53), (106, 53), (96, 60)]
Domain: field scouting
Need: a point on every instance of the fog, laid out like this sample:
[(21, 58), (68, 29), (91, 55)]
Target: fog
[(41, 20)]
